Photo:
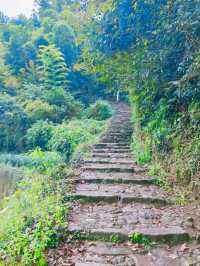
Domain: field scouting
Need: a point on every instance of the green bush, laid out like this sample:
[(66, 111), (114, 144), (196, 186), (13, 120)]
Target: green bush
[(65, 104), (101, 110), (32, 220), (39, 134), (13, 124), (34, 160), (67, 137), (141, 149), (40, 110), (45, 161)]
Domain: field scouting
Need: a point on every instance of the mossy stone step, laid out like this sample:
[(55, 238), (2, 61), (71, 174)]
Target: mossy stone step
[(112, 155), (164, 224), (125, 144), (123, 168), (126, 254), (112, 145), (125, 193), (111, 150), (100, 160), (109, 178), (119, 168)]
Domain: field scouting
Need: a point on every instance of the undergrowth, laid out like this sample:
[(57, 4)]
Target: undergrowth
[(32, 220)]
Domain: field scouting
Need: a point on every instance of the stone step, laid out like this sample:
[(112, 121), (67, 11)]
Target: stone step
[(161, 224), (119, 168), (112, 150), (127, 141), (109, 178), (112, 145), (121, 193), (115, 139), (119, 132), (129, 254), (117, 135), (109, 168), (120, 127), (127, 127), (123, 121), (100, 160), (112, 155)]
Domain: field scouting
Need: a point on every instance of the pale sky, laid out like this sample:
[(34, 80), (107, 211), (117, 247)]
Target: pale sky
[(12, 8)]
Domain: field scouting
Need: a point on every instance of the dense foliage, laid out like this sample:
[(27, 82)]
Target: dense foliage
[(150, 49), (45, 122), (69, 54)]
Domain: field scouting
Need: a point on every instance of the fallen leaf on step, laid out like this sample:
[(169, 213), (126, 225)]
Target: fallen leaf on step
[(173, 256), (184, 247)]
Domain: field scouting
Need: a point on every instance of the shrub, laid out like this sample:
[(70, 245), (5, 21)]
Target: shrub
[(40, 110), (65, 104), (101, 110), (32, 220), (141, 150), (67, 137), (36, 160), (13, 124), (45, 161), (39, 134)]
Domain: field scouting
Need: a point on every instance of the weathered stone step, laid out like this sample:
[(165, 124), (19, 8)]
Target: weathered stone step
[(112, 145), (112, 155), (163, 224), (126, 254), (123, 168), (121, 120), (121, 192), (109, 168), (114, 135), (127, 141), (111, 150), (106, 254), (115, 139), (120, 126), (110, 161), (119, 132), (109, 178)]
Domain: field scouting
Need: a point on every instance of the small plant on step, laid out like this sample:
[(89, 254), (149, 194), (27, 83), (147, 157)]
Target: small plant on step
[(139, 238), (181, 197), (115, 238), (163, 183)]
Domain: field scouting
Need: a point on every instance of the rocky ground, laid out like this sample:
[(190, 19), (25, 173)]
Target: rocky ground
[(116, 198)]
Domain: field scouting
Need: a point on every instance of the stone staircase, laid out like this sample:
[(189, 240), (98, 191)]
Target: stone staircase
[(117, 198)]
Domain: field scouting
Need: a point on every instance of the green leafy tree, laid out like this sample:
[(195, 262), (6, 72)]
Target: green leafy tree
[(51, 67), (4, 70), (64, 39), (13, 124), (39, 135), (40, 110)]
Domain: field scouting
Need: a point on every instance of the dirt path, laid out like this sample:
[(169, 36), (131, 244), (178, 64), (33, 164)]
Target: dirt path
[(119, 199)]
